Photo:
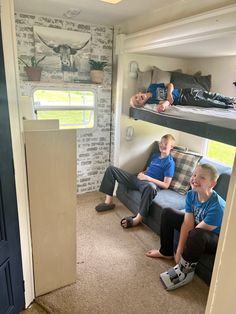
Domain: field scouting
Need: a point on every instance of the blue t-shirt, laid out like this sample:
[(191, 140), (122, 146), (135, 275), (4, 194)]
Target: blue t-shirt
[(211, 211), (159, 93), (159, 168)]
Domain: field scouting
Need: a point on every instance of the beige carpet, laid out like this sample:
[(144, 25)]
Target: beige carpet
[(114, 275)]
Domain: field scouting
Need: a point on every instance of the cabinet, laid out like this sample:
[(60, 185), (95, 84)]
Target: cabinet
[(51, 171)]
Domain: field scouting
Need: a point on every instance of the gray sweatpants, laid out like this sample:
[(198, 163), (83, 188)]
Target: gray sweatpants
[(147, 189)]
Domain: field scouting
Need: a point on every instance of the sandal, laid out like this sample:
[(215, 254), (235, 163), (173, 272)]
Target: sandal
[(128, 220)]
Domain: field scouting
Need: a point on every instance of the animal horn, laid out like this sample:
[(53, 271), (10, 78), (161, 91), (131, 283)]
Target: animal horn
[(48, 45), (74, 50)]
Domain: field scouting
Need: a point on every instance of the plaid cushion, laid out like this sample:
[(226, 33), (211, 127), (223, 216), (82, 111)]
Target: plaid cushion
[(185, 164)]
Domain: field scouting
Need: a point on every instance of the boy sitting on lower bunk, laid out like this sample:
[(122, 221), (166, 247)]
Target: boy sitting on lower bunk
[(158, 175), (160, 96), (199, 228)]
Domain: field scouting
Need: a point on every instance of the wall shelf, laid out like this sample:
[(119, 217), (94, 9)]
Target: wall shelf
[(60, 84)]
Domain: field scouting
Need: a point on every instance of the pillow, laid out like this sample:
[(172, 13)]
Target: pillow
[(143, 81), (198, 73), (160, 76), (181, 80), (185, 164)]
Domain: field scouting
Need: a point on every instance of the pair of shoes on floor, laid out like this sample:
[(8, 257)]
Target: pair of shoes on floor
[(104, 207)]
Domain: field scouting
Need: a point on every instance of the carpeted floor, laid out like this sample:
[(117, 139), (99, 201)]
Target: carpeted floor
[(114, 275)]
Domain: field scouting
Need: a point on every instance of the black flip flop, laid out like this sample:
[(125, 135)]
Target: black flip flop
[(129, 221)]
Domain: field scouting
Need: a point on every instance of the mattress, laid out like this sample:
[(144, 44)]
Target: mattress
[(211, 123)]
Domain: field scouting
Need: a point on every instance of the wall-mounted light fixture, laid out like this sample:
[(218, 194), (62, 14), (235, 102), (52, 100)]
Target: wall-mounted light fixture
[(234, 83), (129, 133), (133, 69)]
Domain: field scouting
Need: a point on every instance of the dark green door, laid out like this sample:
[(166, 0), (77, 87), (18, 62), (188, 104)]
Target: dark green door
[(11, 278)]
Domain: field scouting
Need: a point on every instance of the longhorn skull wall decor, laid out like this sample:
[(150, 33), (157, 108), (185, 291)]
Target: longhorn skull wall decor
[(65, 44)]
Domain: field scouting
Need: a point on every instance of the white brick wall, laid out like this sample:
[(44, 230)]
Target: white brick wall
[(94, 147)]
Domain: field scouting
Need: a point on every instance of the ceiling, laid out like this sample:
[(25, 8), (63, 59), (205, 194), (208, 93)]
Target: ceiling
[(92, 11), (135, 13)]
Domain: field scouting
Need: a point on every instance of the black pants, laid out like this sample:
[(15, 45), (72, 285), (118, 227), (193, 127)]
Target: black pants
[(199, 240), (147, 189), (202, 98)]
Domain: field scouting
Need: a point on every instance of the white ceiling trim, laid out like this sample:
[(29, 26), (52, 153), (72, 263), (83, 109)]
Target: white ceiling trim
[(213, 24)]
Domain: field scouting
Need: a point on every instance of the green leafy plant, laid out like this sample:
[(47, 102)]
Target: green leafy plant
[(97, 65), (33, 62)]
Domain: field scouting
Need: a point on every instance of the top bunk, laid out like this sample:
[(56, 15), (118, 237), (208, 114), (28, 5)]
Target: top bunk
[(212, 123), (210, 34)]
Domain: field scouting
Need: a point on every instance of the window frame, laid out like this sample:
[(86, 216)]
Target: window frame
[(59, 88)]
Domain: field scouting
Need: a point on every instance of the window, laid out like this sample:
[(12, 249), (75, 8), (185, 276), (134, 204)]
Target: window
[(73, 109), (221, 152)]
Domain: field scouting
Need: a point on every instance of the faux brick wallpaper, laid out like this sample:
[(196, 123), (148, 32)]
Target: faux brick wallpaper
[(94, 147)]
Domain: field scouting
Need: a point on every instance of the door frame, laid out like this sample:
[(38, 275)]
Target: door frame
[(12, 82)]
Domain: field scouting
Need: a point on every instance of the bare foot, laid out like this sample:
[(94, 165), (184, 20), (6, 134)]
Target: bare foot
[(156, 253)]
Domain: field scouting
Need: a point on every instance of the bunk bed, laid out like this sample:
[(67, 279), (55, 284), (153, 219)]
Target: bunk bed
[(212, 123), (216, 125), (168, 39)]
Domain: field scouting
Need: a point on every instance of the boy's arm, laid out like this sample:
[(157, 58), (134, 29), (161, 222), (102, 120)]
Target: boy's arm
[(187, 225), (161, 107), (213, 217), (161, 184), (170, 88), (205, 226)]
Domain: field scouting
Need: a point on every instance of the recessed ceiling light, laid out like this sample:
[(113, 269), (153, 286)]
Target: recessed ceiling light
[(71, 13), (111, 1)]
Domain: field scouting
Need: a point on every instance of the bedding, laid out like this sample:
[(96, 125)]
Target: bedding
[(160, 76), (182, 80), (143, 80), (179, 79), (212, 123)]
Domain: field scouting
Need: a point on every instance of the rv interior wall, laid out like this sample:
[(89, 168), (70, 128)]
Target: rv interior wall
[(93, 145), (146, 133)]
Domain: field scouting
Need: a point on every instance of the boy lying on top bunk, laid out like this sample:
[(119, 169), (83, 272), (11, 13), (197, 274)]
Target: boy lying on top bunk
[(160, 96)]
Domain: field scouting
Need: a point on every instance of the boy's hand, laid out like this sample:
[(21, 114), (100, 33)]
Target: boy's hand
[(162, 106), (142, 176)]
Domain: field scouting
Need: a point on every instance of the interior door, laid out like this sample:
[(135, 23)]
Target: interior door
[(11, 277)]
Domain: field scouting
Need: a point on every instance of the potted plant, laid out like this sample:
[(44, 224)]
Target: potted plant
[(97, 70), (33, 71)]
